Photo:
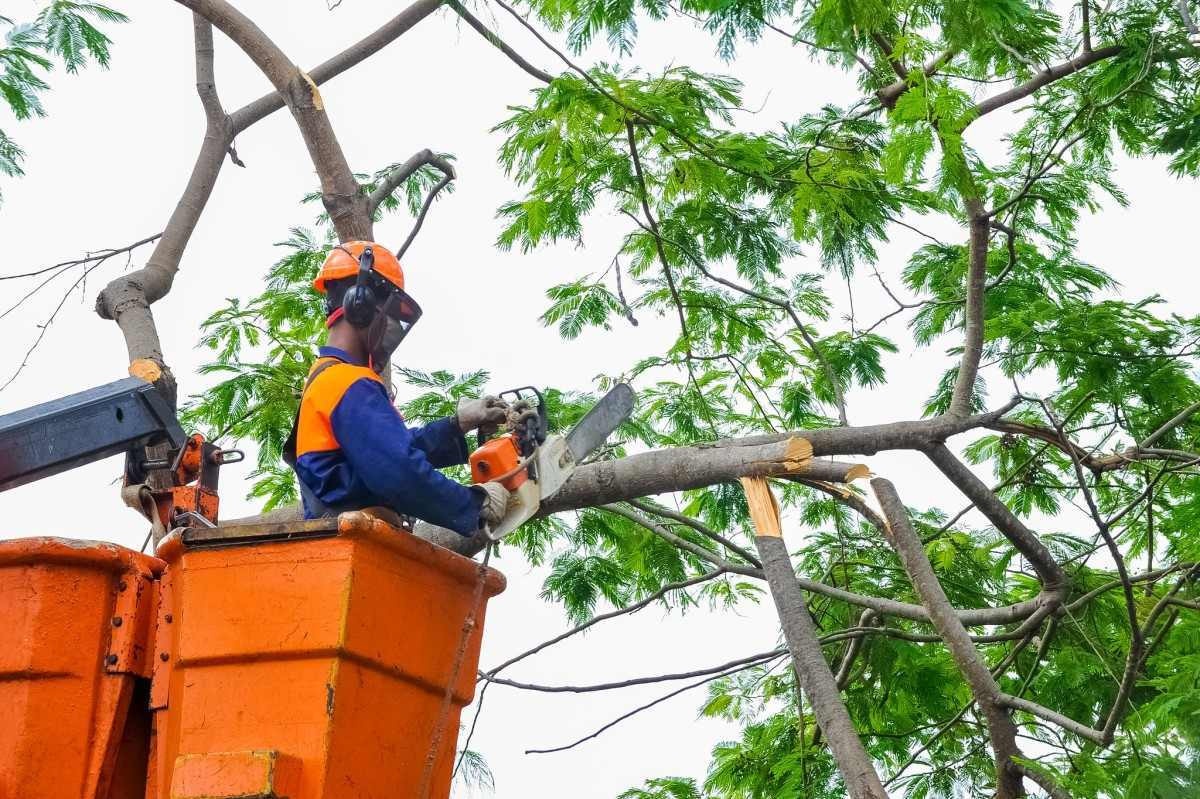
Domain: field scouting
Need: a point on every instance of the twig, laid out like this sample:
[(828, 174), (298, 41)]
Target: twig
[(99, 254), (493, 39), (412, 234), (702, 529), (637, 710), (749, 660), (659, 594)]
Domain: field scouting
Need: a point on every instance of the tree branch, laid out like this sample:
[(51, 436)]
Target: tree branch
[(702, 529), (1046, 77), (340, 192), (657, 595), (127, 299), (1053, 578), (816, 678), (611, 686), (494, 40), (403, 172), (968, 370), (429, 198), (639, 709), (984, 687), (682, 543)]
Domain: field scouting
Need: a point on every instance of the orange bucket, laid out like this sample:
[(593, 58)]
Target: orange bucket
[(75, 652), (311, 661)]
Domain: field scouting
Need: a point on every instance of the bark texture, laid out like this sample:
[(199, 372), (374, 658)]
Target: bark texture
[(816, 678), (984, 689)]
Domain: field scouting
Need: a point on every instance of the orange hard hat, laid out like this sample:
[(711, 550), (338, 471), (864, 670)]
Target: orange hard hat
[(342, 262)]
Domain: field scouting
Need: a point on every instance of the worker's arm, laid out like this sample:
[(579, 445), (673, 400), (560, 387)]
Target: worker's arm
[(384, 452), (442, 442)]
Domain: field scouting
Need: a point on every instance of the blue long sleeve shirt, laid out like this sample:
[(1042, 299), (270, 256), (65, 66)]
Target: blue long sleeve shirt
[(355, 451)]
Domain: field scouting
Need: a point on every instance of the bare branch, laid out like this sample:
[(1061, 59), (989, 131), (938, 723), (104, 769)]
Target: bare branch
[(429, 198), (639, 709), (1046, 77), (127, 300), (403, 172), (493, 39), (968, 370), (353, 55), (749, 660), (702, 529), (652, 598), (340, 192), (812, 669), (1057, 719)]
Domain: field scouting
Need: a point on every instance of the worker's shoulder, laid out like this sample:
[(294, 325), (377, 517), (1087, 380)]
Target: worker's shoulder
[(328, 387)]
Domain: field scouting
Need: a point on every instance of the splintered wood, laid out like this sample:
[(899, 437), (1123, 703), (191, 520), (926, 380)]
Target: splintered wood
[(764, 508)]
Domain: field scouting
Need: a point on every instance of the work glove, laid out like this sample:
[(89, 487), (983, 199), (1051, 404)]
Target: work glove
[(495, 502), (485, 414)]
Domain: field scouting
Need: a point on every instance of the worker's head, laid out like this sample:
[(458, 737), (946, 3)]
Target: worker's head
[(364, 293)]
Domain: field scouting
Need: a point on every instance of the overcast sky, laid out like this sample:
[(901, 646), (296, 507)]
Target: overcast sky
[(106, 168)]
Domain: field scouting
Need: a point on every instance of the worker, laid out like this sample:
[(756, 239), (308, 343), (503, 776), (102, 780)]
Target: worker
[(349, 446)]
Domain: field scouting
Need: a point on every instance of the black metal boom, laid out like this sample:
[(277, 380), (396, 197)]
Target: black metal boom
[(72, 431)]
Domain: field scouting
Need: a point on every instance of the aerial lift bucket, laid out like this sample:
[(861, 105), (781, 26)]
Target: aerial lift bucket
[(75, 650), (327, 659)]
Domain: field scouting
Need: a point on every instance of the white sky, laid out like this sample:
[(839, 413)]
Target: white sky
[(106, 168)]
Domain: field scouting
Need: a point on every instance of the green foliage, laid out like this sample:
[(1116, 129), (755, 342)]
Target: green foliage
[(63, 32)]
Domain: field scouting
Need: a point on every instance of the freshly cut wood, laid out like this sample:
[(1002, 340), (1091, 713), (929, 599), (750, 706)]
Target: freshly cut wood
[(764, 508)]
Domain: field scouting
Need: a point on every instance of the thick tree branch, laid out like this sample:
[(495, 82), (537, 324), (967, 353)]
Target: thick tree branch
[(1053, 578), (984, 687), (127, 299), (816, 678), (682, 468), (1046, 77), (340, 192), (353, 55)]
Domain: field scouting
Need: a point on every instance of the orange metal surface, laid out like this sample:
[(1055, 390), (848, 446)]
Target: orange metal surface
[(73, 653), (496, 458), (235, 775), (333, 651)]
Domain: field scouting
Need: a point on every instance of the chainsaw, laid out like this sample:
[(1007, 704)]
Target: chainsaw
[(534, 465)]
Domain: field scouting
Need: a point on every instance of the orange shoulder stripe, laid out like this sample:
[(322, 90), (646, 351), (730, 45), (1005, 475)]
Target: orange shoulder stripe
[(314, 432)]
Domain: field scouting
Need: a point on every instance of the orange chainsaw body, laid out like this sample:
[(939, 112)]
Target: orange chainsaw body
[(499, 459)]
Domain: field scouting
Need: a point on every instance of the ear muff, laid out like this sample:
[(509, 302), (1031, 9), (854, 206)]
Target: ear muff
[(358, 306)]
